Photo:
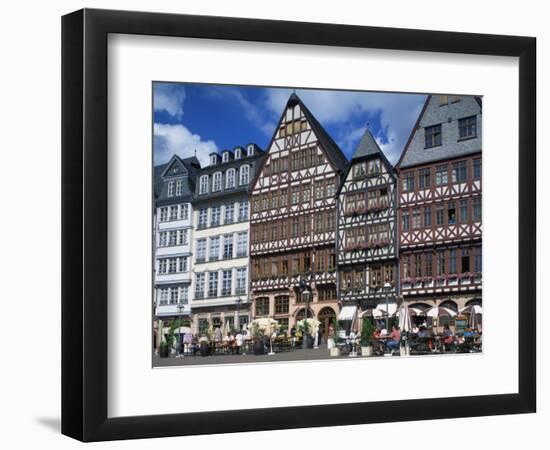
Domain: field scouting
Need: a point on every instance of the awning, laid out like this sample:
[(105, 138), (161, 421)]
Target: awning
[(347, 313), (390, 308)]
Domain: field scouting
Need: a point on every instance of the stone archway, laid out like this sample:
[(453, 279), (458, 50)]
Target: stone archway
[(327, 316)]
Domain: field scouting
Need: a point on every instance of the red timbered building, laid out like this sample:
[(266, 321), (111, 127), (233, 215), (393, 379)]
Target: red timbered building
[(293, 220), (367, 234), (440, 220)]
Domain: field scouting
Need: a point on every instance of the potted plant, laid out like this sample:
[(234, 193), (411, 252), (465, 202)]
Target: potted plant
[(366, 337), (334, 350), (164, 349)]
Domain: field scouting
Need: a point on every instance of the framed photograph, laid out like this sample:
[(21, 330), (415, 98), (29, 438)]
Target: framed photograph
[(273, 225)]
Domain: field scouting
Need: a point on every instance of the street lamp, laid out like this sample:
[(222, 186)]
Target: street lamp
[(181, 308), (387, 287), (306, 294), (237, 323)]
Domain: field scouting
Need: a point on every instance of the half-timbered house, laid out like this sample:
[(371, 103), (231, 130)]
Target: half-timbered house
[(367, 234), (293, 220), (440, 220)]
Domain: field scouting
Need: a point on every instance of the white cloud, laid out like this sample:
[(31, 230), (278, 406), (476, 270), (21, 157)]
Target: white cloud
[(178, 140), (169, 97), (398, 113)]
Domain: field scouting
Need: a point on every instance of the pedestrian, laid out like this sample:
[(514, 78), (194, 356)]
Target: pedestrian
[(293, 336), (320, 335), (395, 335), (239, 340)]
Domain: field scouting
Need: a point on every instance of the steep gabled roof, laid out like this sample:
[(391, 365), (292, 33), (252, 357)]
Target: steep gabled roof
[(415, 153), (334, 154)]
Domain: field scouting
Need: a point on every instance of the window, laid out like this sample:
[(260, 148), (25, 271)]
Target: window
[(184, 212), (459, 172), (330, 189), (441, 262), (294, 227), (441, 175), (428, 264), (416, 218), (319, 190), (359, 170), (229, 213), (424, 178), (228, 246), (172, 265), (432, 136), (295, 195), (215, 217), (243, 210), (467, 127), (451, 213), (174, 212), (408, 182), (203, 185), (452, 260), (464, 210), (405, 220), (171, 185), (306, 193), (262, 306), (476, 209), (242, 244), (213, 284), (477, 259), (214, 252), (427, 216), (182, 264), (226, 282), (225, 156), (244, 172), (238, 153), (418, 265), (250, 150), (230, 179), (179, 187), (217, 182), (240, 287), (213, 159), (406, 267), (163, 294), (201, 250), (173, 296), (439, 215), (203, 217), (465, 261), (477, 169), (275, 199), (164, 214), (284, 197), (374, 167), (199, 285), (281, 304)]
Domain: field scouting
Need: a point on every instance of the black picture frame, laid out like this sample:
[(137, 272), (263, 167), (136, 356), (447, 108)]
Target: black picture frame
[(84, 224)]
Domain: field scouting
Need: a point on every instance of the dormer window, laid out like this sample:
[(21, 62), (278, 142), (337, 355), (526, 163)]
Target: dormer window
[(203, 185), (244, 175), (217, 182), (225, 156), (213, 159), (171, 185), (250, 150), (238, 153), (230, 179)]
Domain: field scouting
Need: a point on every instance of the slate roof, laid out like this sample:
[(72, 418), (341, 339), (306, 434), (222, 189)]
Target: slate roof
[(432, 113), (192, 165)]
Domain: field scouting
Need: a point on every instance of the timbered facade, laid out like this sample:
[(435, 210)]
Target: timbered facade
[(367, 233), (293, 220), (440, 220)]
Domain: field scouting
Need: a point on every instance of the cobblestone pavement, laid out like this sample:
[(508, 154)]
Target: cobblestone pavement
[(297, 354)]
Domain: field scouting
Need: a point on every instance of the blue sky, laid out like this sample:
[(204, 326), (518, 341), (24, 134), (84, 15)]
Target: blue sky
[(206, 118)]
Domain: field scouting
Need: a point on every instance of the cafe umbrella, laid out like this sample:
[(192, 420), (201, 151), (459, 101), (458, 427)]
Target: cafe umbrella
[(472, 310), (405, 321)]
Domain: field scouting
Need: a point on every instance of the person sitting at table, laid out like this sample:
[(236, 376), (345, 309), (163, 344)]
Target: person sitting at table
[(383, 332), (448, 338), (395, 335), (415, 329), (469, 333)]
